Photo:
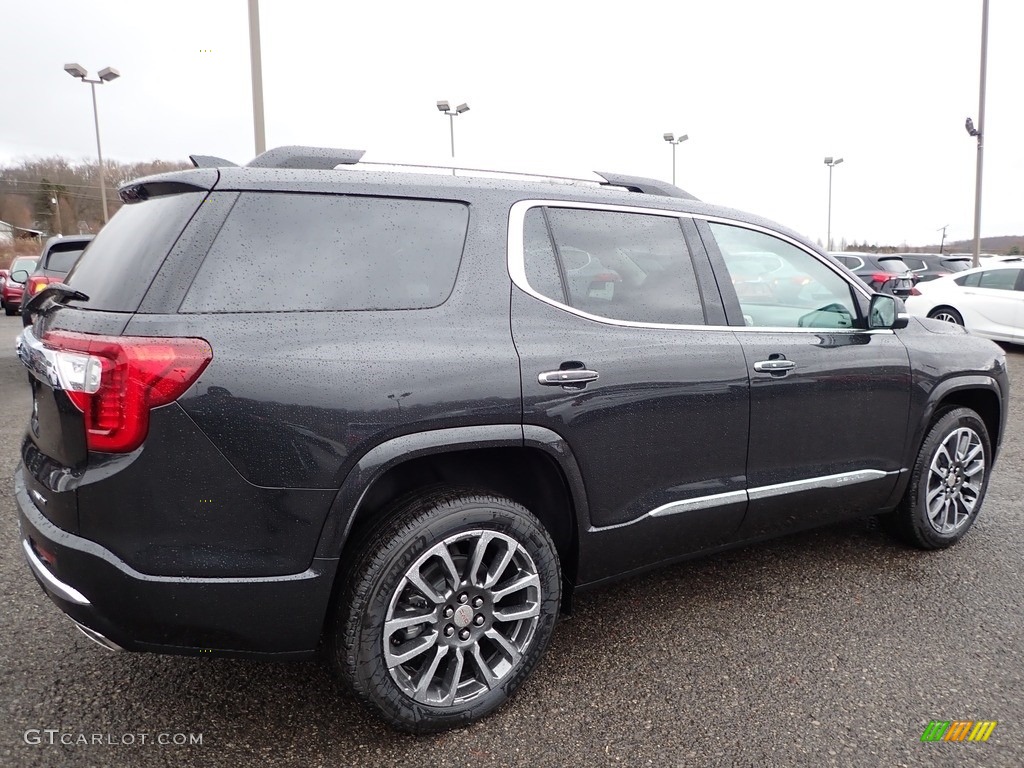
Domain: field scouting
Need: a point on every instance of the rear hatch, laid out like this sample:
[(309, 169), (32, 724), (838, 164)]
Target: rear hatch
[(896, 277), (91, 387)]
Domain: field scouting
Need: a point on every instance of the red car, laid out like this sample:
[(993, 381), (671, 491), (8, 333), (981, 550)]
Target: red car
[(11, 292)]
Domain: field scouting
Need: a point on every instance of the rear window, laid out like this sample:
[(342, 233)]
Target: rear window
[(956, 265), (299, 252), (893, 264), (28, 264), (126, 254), (63, 259)]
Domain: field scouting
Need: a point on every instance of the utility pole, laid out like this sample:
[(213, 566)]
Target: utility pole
[(943, 243), (980, 134)]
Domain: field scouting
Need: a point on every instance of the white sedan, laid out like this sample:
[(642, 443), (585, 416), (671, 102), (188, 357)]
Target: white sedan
[(988, 301)]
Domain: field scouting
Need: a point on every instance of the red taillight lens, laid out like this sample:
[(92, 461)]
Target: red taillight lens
[(36, 284), (883, 277), (115, 381), (914, 291)]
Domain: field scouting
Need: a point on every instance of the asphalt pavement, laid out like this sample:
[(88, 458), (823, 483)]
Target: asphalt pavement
[(834, 647)]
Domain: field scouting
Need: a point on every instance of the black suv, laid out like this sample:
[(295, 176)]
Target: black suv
[(404, 417), (884, 273)]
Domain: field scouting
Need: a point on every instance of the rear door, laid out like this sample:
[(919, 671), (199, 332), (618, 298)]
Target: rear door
[(995, 302), (828, 400), (612, 316)]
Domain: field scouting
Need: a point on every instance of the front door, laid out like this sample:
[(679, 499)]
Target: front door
[(828, 399)]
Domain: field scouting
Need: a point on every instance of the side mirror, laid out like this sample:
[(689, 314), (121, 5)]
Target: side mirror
[(19, 276), (887, 311)]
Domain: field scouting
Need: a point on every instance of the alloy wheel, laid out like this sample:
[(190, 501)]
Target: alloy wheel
[(461, 618), (956, 477)]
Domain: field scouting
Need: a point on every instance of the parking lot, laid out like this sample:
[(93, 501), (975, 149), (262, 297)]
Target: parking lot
[(834, 647)]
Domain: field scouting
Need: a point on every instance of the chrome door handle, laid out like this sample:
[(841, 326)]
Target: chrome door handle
[(774, 366), (570, 376)]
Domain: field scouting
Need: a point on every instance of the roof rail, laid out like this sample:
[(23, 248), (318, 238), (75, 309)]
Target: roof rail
[(643, 185), (312, 158), (544, 176), (211, 161)]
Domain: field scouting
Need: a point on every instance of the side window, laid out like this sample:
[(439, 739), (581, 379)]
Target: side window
[(539, 258), (287, 252), (1001, 279), (850, 262), (781, 286), (626, 266), (971, 280)]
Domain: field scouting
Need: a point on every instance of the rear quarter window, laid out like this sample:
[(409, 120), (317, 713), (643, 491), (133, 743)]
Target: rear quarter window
[(280, 252), (122, 260)]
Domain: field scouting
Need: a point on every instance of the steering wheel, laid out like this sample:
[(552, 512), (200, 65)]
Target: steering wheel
[(835, 308)]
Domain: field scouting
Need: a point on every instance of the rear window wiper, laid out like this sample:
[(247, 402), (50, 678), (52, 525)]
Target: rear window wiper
[(59, 293)]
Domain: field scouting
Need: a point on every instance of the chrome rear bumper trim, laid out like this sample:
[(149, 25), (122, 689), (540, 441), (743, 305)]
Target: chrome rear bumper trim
[(97, 638), (52, 583)]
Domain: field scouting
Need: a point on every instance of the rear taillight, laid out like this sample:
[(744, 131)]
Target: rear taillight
[(36, 283), (883, 277), (115, 381), (914, 291)]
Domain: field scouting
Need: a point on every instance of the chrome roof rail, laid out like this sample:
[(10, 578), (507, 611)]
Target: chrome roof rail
[(644, 185)]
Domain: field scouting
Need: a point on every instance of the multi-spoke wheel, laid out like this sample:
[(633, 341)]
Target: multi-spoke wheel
[(449, 606), (947, 315), (948, 481)]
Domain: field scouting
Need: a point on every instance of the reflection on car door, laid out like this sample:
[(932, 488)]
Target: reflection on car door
[(828, 401)]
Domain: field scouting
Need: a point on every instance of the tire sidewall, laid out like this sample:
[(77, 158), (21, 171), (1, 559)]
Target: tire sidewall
[(945, 424), (366, 658)]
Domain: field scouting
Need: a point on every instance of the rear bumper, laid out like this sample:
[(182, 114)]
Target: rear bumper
[(119, 607)]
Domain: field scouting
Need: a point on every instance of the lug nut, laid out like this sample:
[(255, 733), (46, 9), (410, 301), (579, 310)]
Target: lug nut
[(479, 620), (449, 612), (449, 631), (464, 634), (477, 602), (463, 598)]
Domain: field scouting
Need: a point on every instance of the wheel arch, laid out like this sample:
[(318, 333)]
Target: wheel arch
[(533, 466)]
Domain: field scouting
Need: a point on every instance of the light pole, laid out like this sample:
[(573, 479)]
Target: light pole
[(979, 132), (56, 208), (831, 163), (256, 66), (671, 139), (443, 106), (105, 75)]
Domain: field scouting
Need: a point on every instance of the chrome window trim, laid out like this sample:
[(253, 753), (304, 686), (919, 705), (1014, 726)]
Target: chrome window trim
[(516, 262), (754, 494)]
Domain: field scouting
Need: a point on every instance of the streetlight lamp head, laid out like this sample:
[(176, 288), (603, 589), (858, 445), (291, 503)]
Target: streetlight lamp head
[(683, 138), (108, 73), (838, 161), (442, 106), (828, 161), (969, 125), (462, 108), (670, 137), (76, 70)]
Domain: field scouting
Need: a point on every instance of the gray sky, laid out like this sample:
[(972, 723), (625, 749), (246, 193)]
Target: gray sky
[(765, 91)]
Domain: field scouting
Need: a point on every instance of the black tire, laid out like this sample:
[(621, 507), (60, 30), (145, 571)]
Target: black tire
[(410, 542), (956, 502), (9, 310), (947, 314)]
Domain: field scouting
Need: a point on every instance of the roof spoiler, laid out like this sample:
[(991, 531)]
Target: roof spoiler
[(211, 161)]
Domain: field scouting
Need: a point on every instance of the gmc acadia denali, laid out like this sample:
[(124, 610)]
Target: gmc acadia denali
[(401, 418)]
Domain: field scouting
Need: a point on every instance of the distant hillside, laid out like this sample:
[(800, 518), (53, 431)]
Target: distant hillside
[(1002, 244)]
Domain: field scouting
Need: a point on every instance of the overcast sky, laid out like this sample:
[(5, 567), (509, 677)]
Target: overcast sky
[(765, 91)]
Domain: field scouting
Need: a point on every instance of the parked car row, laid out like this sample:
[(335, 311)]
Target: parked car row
[(987, 300), (52, 265)]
